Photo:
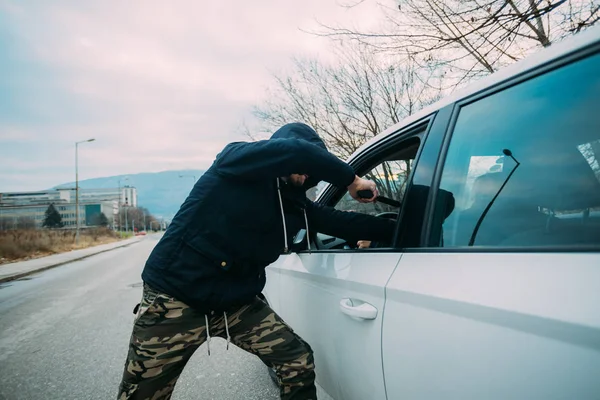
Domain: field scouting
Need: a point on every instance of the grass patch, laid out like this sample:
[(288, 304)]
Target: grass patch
[(124, 235), (24, 244)]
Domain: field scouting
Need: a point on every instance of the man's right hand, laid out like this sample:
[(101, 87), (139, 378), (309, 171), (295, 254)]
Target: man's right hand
[(362, 184)]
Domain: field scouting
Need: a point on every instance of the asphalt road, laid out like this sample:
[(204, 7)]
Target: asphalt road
[(64, 335)]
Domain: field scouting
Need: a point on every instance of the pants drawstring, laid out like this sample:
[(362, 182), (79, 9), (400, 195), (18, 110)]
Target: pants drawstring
[(285, 238), (207, 333), (227, 329), (207, 323)]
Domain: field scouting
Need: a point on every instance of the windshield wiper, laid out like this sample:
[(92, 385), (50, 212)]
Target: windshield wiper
[(507, 153)]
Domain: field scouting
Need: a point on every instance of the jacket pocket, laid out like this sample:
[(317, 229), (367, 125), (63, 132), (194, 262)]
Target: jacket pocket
[(163, 257), (207, 252)]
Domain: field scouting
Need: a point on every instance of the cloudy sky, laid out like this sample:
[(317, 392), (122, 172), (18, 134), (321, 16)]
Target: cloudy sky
[(159, 85)]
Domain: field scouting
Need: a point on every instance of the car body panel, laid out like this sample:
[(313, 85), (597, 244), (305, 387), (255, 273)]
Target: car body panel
[(493, 326), (272, 290)]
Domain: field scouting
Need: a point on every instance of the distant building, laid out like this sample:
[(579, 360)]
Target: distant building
[(126, 195), (17, 208)]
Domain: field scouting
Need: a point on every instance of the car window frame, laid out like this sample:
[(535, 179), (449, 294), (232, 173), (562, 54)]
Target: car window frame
[(364, 161), (387, 151), (432, 222)]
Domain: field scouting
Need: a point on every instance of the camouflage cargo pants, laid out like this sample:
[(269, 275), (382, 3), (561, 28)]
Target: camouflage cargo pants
[(166, 333)]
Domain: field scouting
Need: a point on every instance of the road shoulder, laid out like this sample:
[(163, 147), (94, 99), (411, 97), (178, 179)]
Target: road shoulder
[(17, 270)]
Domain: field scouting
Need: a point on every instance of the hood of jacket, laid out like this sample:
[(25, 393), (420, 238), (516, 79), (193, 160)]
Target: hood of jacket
[(298, 130)]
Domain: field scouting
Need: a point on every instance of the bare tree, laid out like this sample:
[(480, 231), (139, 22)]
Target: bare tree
[(348, 102), (138, 217), (469, 38)]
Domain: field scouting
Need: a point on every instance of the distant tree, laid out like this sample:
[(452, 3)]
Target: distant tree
[(6, 223), (99, 220), (103, 220), (24, 222), (136, 217), (147, 218), (52, 218)]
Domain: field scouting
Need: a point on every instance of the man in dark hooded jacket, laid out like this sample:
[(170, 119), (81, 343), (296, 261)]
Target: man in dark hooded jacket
[(203, 277)]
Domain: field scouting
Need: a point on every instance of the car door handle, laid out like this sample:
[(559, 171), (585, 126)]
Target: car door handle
[(361, 311)]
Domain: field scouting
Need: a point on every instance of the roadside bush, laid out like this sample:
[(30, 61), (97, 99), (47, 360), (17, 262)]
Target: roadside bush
[(32, 243)]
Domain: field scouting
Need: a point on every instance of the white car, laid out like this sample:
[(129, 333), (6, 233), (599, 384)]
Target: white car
[(491, 287)]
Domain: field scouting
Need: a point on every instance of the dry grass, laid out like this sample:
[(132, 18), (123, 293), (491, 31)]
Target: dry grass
[(19, 245)]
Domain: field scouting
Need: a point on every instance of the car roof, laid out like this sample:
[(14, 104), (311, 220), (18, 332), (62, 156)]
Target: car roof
[(545, 55)]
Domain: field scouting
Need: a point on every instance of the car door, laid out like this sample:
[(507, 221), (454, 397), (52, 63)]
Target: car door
[(333, 296), (504, 301), (335, 302)]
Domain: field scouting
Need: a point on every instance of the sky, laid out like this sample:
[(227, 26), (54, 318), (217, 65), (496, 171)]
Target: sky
[(159, 85)]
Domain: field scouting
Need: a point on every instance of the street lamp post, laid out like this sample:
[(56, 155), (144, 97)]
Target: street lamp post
[(119, 206), (119, 203), (77, 188)]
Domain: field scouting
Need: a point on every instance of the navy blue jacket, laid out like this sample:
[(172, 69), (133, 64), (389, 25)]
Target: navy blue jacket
[(213, 255)]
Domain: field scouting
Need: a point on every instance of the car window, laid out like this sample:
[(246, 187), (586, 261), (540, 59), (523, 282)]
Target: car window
[(523, 164), (390, 176)]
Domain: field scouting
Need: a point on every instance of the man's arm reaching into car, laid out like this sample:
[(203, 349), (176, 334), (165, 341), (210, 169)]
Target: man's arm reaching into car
[(350, 226)]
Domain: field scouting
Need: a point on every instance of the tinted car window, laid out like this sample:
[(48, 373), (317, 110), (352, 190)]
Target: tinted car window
[(535, 149)]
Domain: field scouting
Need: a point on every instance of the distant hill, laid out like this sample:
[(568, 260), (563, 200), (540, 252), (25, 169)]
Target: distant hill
[(160, 192)]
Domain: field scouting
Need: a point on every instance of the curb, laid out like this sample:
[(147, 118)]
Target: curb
[(47, 267)]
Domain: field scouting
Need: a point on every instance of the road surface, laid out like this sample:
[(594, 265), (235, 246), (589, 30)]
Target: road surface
[(64, 335)]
